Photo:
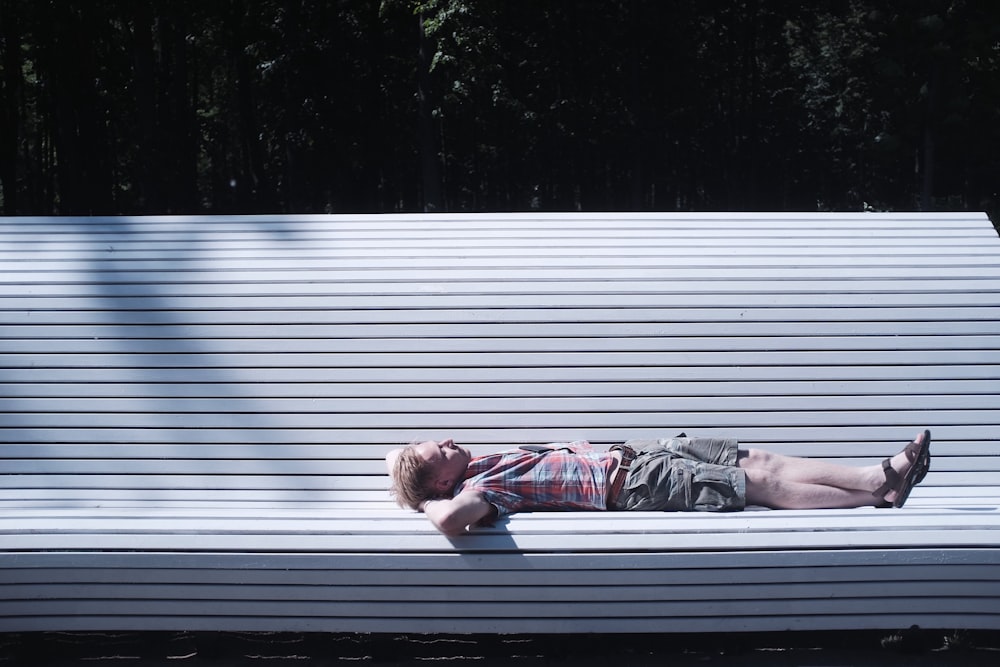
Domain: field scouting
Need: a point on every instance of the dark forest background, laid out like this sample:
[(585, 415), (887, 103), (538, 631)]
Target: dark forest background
[(223, 106)]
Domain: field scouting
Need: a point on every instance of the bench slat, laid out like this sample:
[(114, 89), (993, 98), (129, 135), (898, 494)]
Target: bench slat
[(568, 330), (855, 450), (485, 359), (429, 345), (530, 571), (984, 537), (727, 566), (821, 433), (533, 404), (270, 257), (499, 420), (351, 598), (165, 273), (187, 460), (281, 315), (219, 485)]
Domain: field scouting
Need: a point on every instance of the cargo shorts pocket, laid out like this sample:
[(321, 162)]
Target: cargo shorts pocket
[(704, 487)]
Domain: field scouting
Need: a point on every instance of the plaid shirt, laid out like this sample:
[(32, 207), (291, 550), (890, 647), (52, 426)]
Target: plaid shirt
[(522, 481)]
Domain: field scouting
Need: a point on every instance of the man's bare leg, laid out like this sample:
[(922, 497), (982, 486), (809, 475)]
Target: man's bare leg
[(788, 482), (769, 490)]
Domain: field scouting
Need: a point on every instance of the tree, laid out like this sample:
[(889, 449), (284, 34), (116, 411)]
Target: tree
[(135, 106)]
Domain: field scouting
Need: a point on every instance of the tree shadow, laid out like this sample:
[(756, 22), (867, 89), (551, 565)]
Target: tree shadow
[(131, 364)]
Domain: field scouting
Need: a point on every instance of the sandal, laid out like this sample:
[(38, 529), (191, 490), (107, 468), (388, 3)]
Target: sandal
[(919, 455)]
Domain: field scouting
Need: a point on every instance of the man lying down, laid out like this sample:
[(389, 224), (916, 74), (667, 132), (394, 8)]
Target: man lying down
[(456, 490)]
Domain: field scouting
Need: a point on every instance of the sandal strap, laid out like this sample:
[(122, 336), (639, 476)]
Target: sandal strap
[(892, 480), (923, 463)]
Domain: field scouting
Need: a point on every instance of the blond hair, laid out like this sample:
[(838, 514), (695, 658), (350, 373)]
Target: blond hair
[(412, 481)]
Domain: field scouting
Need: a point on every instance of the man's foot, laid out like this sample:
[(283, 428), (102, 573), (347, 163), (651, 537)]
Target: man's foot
[(904, 471)]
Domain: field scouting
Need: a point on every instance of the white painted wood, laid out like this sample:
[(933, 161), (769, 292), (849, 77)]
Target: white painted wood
[(193, 414), (280, 316)]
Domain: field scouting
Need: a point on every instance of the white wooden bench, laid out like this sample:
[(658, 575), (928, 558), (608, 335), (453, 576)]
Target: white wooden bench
[(194, 412)]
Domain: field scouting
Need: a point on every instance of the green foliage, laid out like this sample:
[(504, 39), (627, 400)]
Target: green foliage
[(135, 106)]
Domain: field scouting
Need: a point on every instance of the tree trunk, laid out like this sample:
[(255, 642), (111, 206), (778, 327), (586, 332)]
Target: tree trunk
[(10, 116), (177, 120), (430, 164), (927, 170), (81, 139), (148, 158)]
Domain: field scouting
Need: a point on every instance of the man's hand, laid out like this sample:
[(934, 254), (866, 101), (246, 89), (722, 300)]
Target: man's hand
[(453, 515)]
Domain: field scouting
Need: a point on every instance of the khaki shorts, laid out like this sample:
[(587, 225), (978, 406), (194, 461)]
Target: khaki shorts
[(684, 474)]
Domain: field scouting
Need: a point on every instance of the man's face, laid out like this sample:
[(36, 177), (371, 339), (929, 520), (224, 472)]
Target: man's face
[(447, 460)]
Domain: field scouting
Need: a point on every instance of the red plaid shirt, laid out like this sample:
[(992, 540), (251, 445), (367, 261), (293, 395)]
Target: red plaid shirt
[(523, 481)]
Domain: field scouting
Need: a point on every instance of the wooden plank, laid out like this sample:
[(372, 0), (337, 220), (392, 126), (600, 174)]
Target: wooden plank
[(37, 264), (388, 222), (568, 330), (890, 254), (955, 316), (832, 447), (939, 490), (923, 390), (398, 625), (862, 574), (82, 282), (691, 419), (537, 533), (320, 257), (284, 228), (460, 375), (515, 227), (567, 543), (661, 610), (975, 499), (525, 344), (110, 304), (866, 218), (976, 491), (49, 295), (220, 479), (166, 296), (542, 610), (38, 596), (350, 522), (343, 242), (149, 280), (749, 433), (196, 498), (192, 462), (340, 241), (723, 563), (456, 404), (485, 358)]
